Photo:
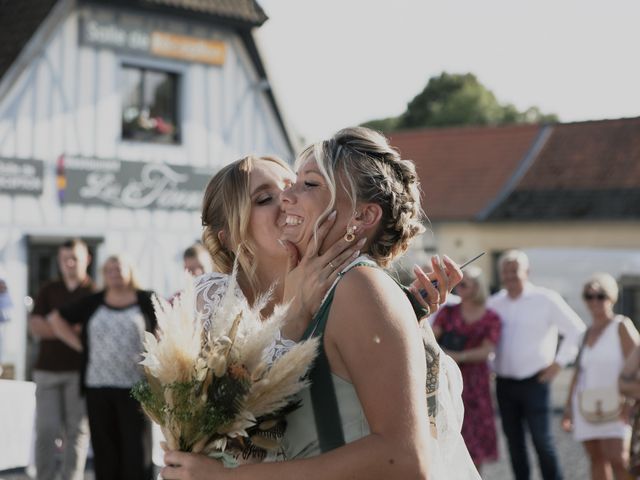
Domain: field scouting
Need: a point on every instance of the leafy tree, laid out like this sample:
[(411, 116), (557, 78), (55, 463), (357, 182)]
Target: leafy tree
[(454, 99), (384, 124)]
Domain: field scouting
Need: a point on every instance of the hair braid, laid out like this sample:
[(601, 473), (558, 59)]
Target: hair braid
[(374, 172)]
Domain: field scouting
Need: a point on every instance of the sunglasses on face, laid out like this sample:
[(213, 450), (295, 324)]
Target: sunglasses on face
[(594, 296)]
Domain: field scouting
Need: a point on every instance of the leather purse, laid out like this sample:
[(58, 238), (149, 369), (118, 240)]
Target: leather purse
[(599, 405), (450, 340)]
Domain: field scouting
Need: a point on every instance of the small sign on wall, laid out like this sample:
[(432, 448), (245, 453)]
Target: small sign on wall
[(135, 185), (21, 176), (152, 35)]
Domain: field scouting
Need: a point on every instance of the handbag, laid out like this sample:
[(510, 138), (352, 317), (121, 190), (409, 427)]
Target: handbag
[(600, 405), (451, 340)]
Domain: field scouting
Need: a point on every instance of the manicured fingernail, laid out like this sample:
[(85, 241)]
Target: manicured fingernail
[(332, 215), (362, 242), (356, 254), (416, 268)]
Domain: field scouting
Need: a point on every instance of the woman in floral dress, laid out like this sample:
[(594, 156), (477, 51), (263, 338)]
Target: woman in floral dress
[(469, 332)]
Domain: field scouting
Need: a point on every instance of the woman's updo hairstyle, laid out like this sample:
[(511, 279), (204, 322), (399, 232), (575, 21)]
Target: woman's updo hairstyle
[(371, 171), (226, 207)]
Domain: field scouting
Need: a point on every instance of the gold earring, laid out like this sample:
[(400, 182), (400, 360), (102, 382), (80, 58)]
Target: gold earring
[(350, 235)]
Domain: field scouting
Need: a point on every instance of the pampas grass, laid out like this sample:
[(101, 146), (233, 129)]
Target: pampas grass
[(206, 388)]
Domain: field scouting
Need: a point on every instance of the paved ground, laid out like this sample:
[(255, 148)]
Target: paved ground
[(575, 465), (572, 458)]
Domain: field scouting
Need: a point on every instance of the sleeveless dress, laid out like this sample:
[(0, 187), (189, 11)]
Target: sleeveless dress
[(447, 454), (600, 366), (331, 414)]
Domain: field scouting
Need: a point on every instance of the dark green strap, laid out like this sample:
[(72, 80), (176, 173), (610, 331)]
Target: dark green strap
[(326, 412)]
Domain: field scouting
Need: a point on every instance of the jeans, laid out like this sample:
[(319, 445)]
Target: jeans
[(527, 403), (60, 413)]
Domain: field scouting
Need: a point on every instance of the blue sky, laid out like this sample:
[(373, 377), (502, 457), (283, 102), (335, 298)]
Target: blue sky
[(335, 63)]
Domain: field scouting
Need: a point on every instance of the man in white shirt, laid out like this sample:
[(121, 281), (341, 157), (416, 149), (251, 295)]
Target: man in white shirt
[(526, 361)]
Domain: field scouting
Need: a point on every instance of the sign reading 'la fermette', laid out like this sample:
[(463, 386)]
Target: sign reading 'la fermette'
[(131, 32)]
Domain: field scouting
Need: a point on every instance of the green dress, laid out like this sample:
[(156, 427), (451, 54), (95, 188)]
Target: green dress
[(330, 414)]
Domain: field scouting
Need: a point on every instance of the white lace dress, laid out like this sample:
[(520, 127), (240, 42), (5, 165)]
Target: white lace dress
[(209, 290)]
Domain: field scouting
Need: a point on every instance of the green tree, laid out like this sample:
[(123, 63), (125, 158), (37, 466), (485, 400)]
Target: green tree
[(383, 124), (455, 99)]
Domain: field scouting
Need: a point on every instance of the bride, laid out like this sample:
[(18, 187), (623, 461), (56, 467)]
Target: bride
[(372, 365)]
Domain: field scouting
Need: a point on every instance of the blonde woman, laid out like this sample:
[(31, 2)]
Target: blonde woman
[(469, 333), (108, 328), (365, 415), (608, 342)]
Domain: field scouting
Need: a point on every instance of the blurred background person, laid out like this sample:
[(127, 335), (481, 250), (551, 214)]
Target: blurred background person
[(527, 360), (113, 323), (197, 260), (5, 306), (629, 385), (593, 409), (469, 332), (60, 408)]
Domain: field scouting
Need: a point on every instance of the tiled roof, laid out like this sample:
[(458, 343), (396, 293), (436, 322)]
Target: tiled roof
[(243, 10), (586, 170), (18, 22), (462, 170), (19, 19)]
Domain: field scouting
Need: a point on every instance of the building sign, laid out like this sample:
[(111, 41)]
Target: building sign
[(135, 185), (157, 36), (21, 176)]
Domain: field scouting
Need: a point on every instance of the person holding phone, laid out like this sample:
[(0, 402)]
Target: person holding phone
[(468, 333)]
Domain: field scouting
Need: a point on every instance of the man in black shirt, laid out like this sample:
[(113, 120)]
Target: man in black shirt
[(60, 409)]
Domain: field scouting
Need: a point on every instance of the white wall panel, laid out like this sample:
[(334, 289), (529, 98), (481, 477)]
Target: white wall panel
[(194, 119), (85, 114)]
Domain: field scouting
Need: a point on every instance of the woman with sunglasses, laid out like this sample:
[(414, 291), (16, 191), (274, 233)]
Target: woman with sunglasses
[(608, 342), (469, 333)]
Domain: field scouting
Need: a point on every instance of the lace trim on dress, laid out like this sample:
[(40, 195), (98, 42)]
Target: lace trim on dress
[(278, 348), (209, 291)]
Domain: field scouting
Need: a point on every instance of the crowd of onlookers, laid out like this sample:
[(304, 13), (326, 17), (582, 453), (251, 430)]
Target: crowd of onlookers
[(514, 334), (90, 342)]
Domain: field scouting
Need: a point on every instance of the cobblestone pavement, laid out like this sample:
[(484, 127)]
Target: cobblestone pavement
[(572, 458)]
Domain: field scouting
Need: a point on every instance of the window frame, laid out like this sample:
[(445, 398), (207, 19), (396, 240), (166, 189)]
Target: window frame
[(178, 91)]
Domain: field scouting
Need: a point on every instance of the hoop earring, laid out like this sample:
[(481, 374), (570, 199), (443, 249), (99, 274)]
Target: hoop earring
[(350, 235)]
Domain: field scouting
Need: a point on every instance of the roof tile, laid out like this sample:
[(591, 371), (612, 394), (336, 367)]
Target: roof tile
[(462, 169)]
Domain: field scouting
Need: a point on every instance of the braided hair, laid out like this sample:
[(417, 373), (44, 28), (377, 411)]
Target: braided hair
[(370, 170)]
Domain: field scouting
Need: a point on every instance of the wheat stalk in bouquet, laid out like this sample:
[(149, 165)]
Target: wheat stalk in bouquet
[(206, 388)]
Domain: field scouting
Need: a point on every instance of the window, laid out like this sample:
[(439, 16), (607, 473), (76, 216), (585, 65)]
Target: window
[(150, 105), (629, 299)]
